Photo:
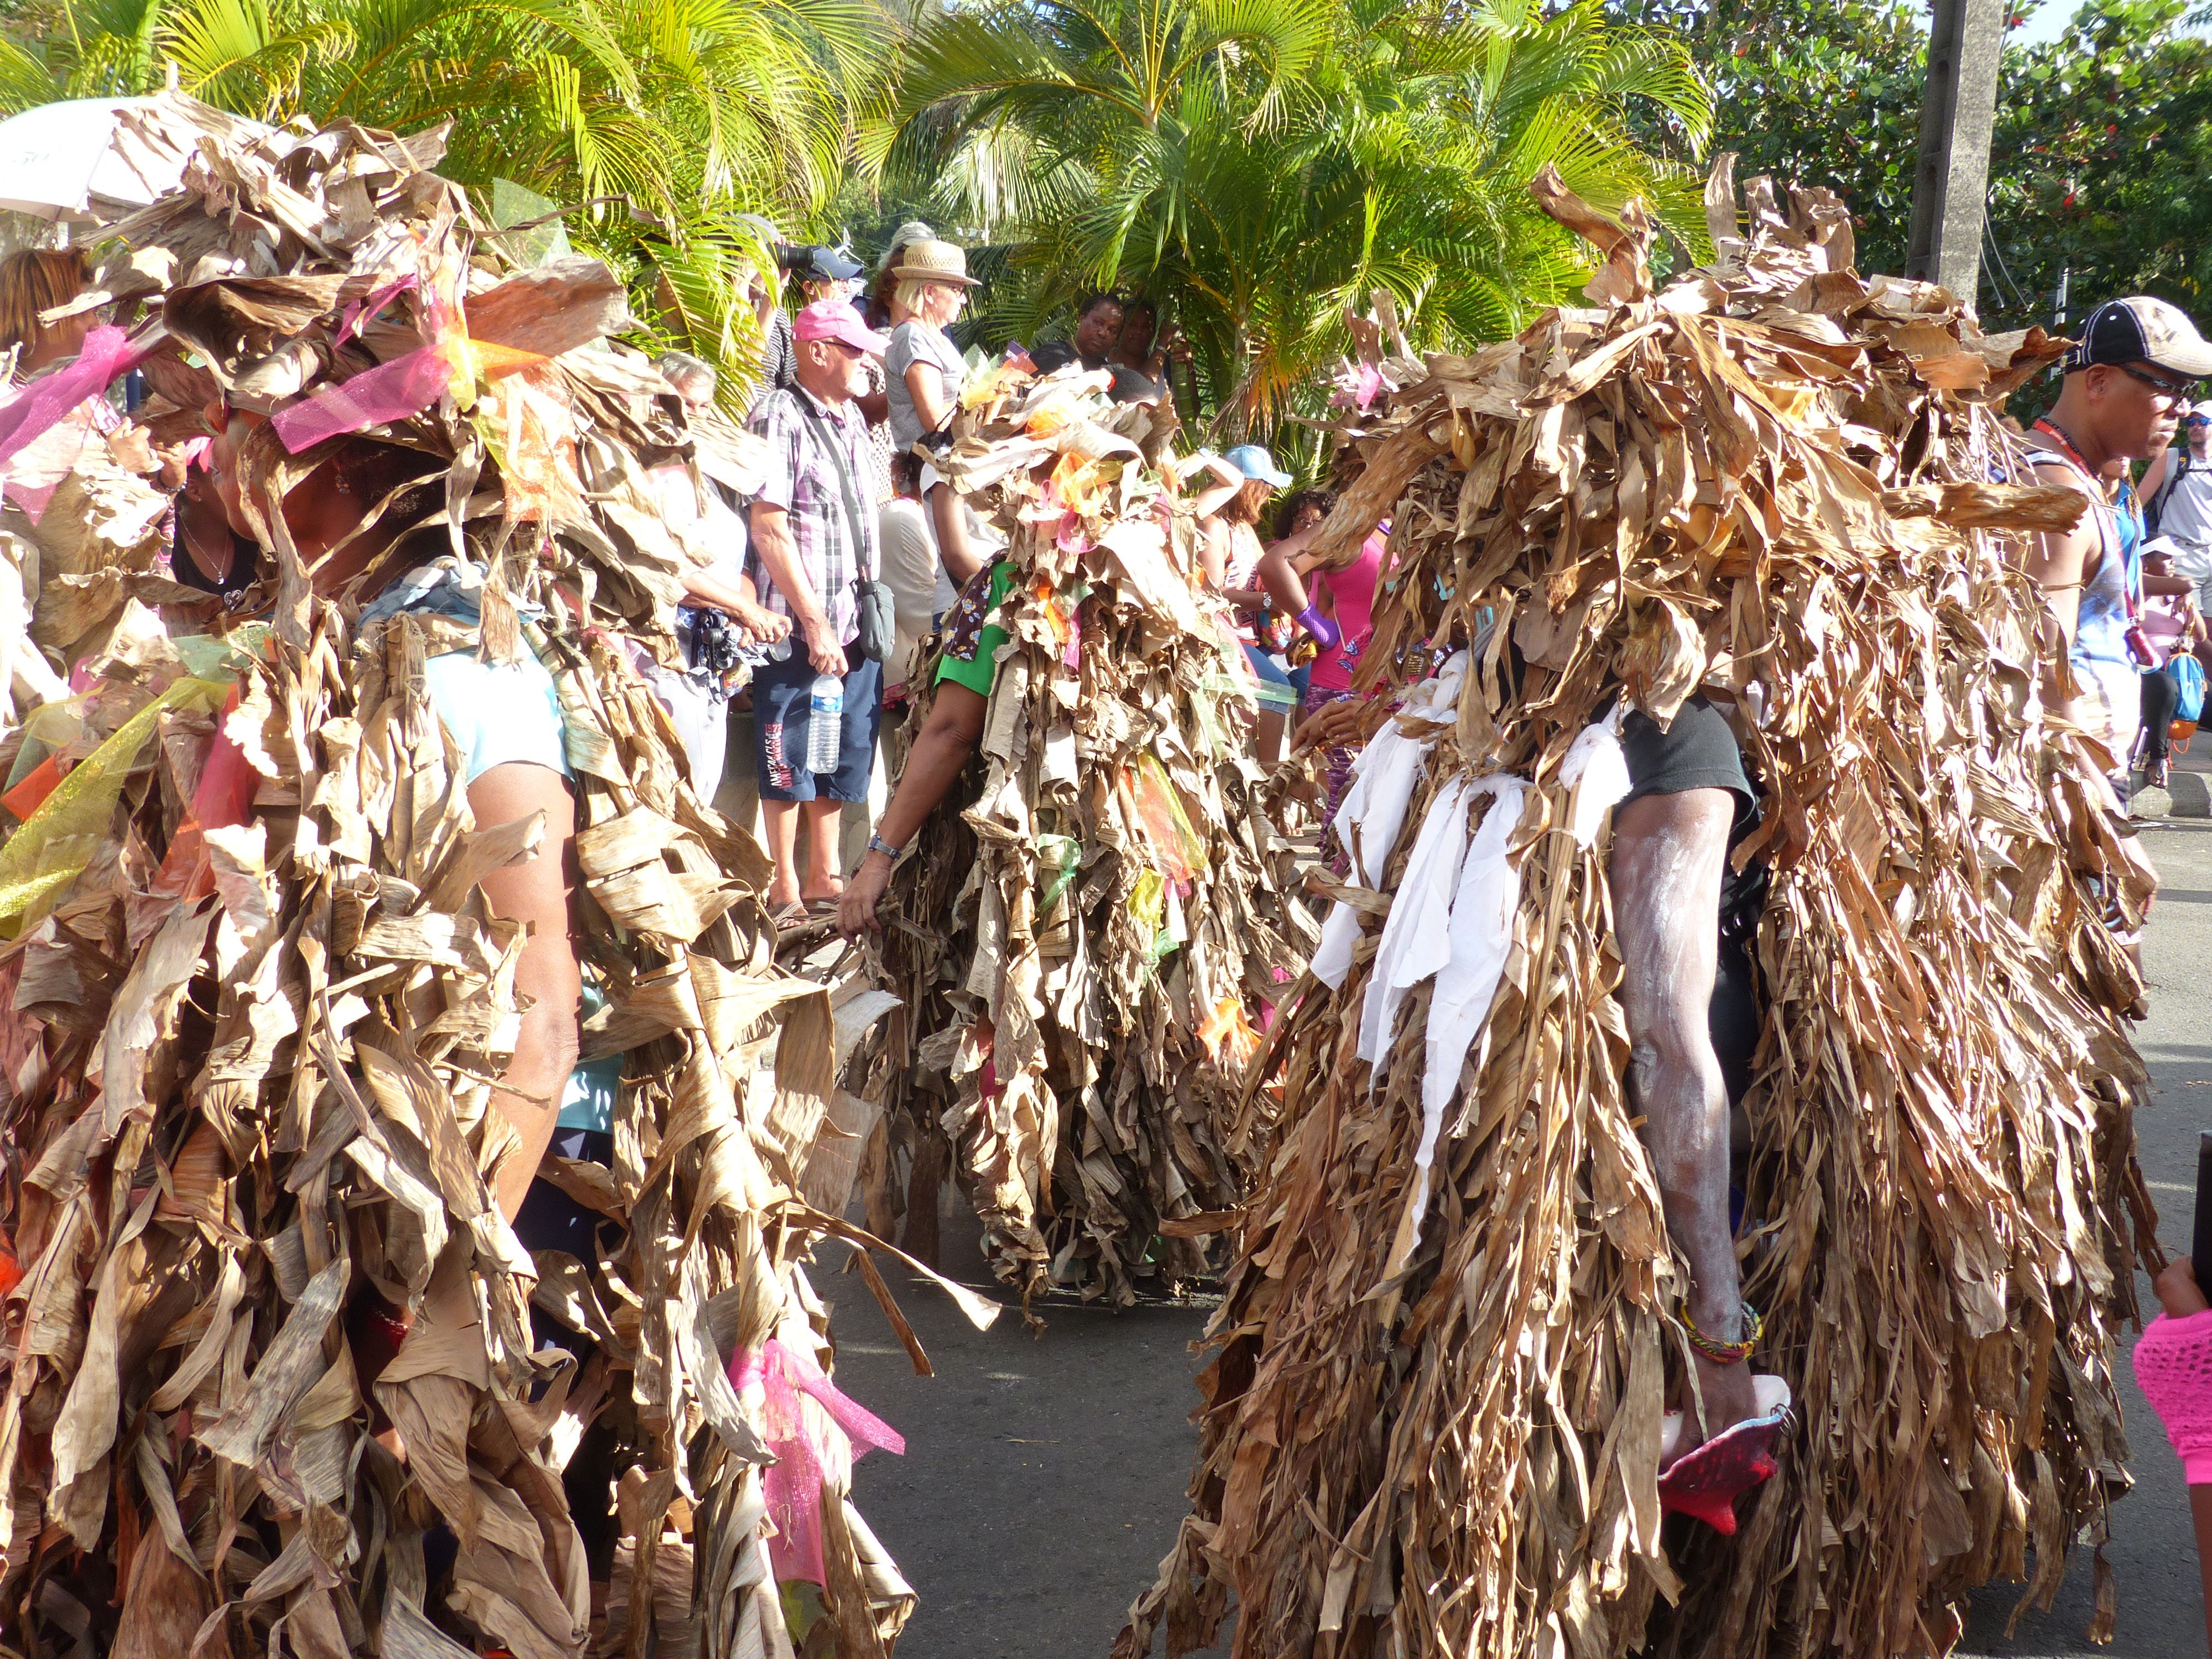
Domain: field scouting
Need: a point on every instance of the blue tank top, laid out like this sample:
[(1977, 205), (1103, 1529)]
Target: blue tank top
[(2111, 595)]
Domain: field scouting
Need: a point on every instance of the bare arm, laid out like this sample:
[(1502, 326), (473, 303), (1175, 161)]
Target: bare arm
[(932, 765), (1216, 496), (2060, 564), (948, 517), (536, 893), (1280, 574), (772, 540), (739, 597), (925, 383)]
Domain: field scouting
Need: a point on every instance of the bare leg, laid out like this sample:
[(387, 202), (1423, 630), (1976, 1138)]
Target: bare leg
[(1267, 739), (2200, 1510), (821, 819), (782, 816), (1669, 854), (948, 517)]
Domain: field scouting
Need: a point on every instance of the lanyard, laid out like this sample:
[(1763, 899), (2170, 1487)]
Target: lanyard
[(2074, 456), (2066, 444)]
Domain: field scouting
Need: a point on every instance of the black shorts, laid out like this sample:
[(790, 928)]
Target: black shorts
[(1700, 751), (1697, 752)]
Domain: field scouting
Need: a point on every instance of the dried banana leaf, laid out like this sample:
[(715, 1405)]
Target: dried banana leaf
[(1432, 1422), (250, 1054), (1098, 919)]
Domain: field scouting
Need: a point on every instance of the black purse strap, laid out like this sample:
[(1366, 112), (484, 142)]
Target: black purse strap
[(836, 453)]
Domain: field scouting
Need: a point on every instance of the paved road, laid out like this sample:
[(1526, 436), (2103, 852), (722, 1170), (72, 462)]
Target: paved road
[(1044, 1478)]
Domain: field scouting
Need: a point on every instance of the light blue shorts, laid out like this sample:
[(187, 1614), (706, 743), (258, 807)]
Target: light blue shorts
[(498, 711)]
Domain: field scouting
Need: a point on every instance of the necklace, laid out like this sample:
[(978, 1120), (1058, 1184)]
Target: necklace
[(214, 553), (2072, 450)]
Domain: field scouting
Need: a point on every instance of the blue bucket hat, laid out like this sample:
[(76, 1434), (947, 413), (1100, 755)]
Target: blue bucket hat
[(1257, 463)]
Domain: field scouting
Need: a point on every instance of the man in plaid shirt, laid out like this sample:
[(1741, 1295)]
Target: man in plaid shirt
[(813, 534)]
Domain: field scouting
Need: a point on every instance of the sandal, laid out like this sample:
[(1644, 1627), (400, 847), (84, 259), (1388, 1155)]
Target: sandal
[(785, 917)]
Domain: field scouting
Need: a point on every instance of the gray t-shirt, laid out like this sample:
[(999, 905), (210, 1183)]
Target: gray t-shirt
[(2184, 511), (916, 341)]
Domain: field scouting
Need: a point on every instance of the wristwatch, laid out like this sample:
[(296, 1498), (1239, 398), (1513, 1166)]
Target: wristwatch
[(877, 844)]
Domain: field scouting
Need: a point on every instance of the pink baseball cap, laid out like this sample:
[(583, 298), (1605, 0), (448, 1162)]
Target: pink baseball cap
[(835, 319)]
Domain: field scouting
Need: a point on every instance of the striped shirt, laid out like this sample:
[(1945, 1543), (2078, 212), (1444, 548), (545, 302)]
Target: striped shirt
[(802, 479)]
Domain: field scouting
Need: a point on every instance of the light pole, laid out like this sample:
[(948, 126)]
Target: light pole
[(1951, 184)]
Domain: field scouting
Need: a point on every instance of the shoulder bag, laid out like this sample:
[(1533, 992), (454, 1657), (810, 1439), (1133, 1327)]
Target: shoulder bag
[(879, 624)]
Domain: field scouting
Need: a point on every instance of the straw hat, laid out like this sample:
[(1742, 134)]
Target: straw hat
[(933, 262)]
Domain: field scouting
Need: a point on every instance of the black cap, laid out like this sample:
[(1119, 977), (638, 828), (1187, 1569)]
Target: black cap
[(829, 264), (2141, 330)]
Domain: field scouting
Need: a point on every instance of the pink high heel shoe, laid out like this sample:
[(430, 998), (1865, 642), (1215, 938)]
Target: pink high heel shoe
[(1706, 1482)]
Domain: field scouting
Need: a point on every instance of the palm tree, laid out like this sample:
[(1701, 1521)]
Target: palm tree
[(692, 112), (1257, 164)]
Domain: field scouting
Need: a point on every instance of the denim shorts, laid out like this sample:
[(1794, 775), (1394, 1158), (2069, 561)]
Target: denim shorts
[(1274, 689), (498, 711), (783, 707)]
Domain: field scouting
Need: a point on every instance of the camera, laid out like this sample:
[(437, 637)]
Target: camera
[(811, 262)]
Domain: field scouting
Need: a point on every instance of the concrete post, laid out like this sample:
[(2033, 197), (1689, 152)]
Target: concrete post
[(1956, 113)]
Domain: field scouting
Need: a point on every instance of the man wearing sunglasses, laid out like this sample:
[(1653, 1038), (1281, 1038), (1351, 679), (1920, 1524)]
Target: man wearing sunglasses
[(2129, 379), (814, 544), (2179, 487)]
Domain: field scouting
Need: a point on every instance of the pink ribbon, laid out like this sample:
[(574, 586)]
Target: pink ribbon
[(390, 391), (793, 1485), (364, 311), (26, 417)]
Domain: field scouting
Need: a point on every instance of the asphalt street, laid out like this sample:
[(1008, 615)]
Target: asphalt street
[(1044, 1477)]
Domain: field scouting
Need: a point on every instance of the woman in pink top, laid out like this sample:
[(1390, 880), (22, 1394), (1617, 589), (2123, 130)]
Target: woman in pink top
[(1346, 597), (2172, 624), (2173, 1368)]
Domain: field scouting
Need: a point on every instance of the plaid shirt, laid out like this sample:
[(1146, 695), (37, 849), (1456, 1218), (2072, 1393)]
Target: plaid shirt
[(803, 481)]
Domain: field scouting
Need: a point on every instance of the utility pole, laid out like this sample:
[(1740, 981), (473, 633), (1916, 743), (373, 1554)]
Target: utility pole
[(1956, 112)]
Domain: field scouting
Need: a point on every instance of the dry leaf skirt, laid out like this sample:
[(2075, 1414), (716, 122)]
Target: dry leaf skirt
[(1085, 943), (1431, 1424), (234, 1110)]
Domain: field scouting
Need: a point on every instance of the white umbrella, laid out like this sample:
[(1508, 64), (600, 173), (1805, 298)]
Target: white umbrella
[(90, 158)]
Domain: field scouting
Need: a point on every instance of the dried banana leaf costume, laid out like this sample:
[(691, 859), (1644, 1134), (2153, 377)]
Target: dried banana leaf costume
[(1432, 1426), (258, 1001), (1089, 933)]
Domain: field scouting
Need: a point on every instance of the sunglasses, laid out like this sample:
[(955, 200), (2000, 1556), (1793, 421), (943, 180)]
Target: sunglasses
[(2164, 388)]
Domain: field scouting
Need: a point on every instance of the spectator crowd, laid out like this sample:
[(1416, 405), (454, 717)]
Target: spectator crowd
[(853, 551)]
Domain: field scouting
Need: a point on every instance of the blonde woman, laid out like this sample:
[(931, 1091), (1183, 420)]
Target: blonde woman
[(926, 372)]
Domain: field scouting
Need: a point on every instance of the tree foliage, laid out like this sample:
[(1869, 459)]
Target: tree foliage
[(2099, 167), (1255, 166), (2102, 166), (692, 112)]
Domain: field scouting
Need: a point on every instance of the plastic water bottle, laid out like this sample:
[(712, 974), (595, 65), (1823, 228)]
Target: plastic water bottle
[(825, 724)]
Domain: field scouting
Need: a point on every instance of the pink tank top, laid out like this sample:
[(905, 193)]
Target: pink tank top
[(1351, 594)]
